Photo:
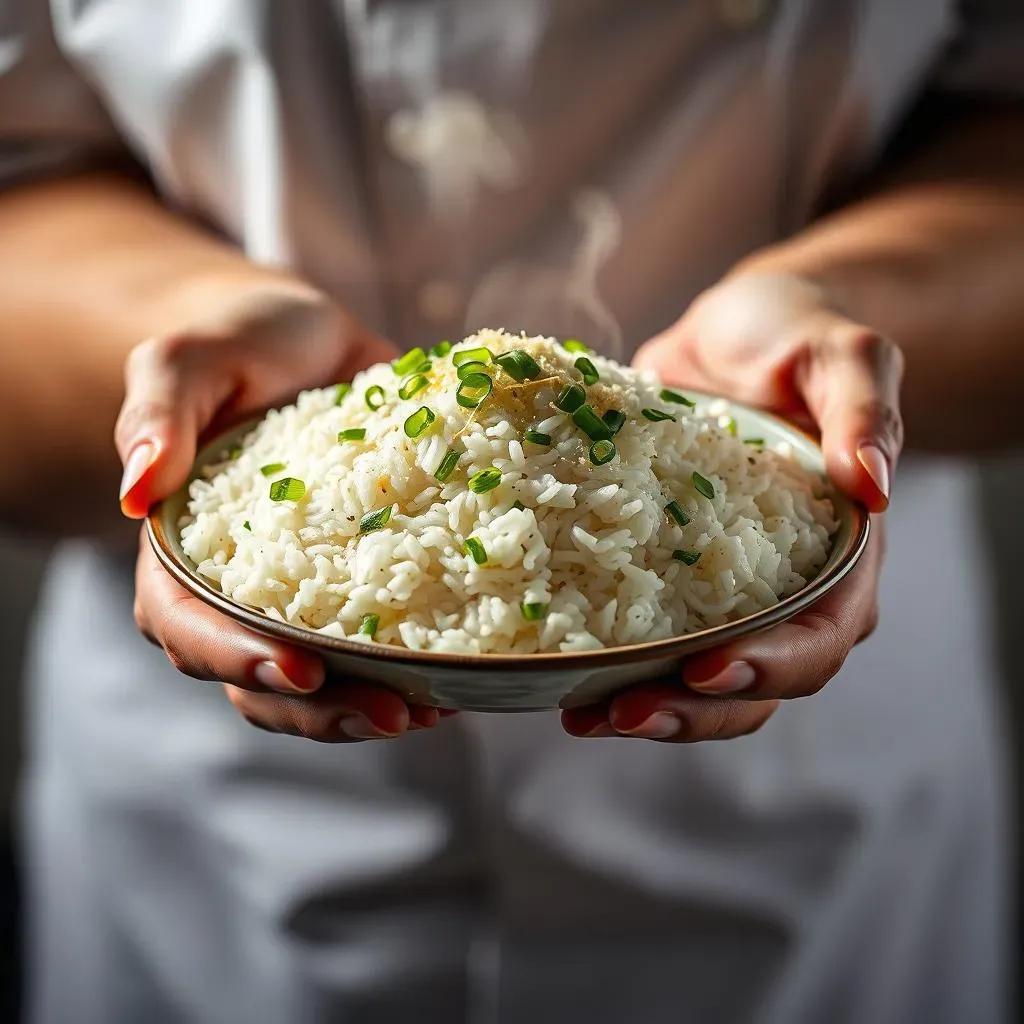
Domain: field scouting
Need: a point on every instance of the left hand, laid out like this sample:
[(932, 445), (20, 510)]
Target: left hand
[(780, 343)]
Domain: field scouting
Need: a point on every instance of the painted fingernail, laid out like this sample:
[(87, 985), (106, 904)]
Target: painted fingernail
[(271, 675), (600, 731), (877, 465), (737, 676), (358, 727), (660, 726), (141, 457)]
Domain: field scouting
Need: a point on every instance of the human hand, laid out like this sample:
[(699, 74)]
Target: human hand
[(780, 343), (258, 351)]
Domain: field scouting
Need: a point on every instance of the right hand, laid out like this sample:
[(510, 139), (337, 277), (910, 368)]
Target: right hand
[(259, 351)]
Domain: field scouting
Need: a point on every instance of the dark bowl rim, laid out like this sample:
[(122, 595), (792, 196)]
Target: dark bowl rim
[(829, 577)]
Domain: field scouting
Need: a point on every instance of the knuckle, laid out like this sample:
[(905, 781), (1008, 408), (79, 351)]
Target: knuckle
[(870, 624), (832, 645)]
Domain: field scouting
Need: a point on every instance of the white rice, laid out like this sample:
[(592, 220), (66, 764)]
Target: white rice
[(593, 543)]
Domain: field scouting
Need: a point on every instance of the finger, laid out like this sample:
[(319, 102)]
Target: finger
[(851, 383), (338, 714), (798, 657), (204, 644), (672, 714), (587, 722)]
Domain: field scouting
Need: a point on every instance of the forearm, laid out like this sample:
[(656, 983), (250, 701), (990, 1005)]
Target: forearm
[(933, 257), (88, 268)]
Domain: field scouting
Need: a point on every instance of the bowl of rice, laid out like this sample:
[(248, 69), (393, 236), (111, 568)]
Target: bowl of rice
[(509, 523)]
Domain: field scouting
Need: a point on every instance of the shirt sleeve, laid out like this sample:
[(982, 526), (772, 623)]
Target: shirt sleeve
[(986, 59), (51, 122)]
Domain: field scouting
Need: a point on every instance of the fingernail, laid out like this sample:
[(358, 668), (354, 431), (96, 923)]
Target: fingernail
[(600, 731), (660, 726), (141, 457), (734, 677), (877, 466), (359, 727), (271, 675)]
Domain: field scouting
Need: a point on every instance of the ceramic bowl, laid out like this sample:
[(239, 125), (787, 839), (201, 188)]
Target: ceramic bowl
[(533, 682)]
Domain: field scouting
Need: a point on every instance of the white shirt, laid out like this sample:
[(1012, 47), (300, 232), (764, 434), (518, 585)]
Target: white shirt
[(570, 167)]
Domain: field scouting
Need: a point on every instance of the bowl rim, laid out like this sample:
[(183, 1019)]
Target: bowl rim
[(674, 646)]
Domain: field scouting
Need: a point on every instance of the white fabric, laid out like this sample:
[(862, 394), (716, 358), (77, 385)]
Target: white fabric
[(570, 166)]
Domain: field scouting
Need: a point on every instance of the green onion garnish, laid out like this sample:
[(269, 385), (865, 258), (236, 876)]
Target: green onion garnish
[(615, 420), (533, 612), (288, 488), (704, 485), (411, 361), (474, 366), (519, 365), (341, 392), (519, 505), (368, 627), (374, 397), (474, 388), (271, 468), (730, 425), (479, 355), (475, 547), (536, 437), (754, 440), (442, 348), (656, 415), (419, 421), (674, 396), (602, 452), (247, 526), (686, 557), (484, 481), (352, 434), (675, 510), (589, 371), (447, 465), (591, 424), (411, 385), (235, 452), (572, 345), (375, 520), (571, 398)]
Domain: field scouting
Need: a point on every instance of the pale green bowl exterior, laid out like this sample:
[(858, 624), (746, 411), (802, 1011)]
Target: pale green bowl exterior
[(534, 682)]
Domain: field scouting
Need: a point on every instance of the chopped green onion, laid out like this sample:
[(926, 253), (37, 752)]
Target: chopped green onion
[(419, 421), (475, 547), (519, 365), (288, 488), (374, 397), (368, 627), (754, 440), (411, 386), (591, 424), (571, 398), (447, 465), (704, 485), (656, 415), (615, 420), (404, 365), (572, 345), (472, 367), (352, 434), (519, 505), (589, 371), (479, 355), (235, 452), (425, 367), (442, 348), (686, 557), (484, 481), (271, 468), (534, 612), (730, 425), (536, 437), (675, 510), (247, 526), (602, 452), (341, 392), (375, 520), (674, 396), (473, 390)]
